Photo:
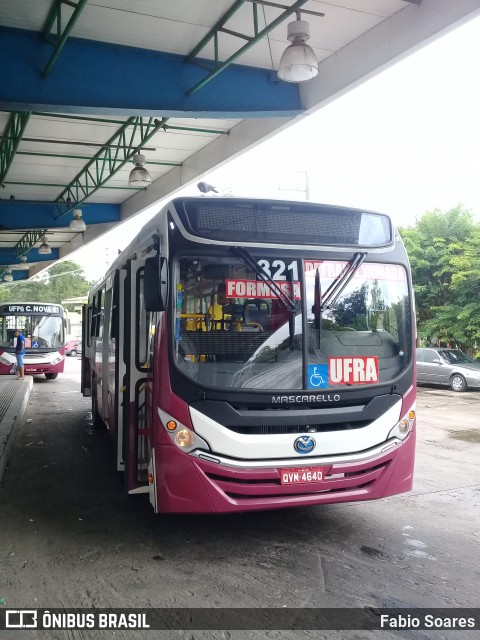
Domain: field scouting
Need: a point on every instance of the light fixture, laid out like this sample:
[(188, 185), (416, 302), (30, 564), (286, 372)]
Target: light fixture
[(298, 62), (8, 277), (44, 249), (139, 176), (23, 259), (77, 224)]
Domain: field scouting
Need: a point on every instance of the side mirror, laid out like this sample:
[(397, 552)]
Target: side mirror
[(155, 283)]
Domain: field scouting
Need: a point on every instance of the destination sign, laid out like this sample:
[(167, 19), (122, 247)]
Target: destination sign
[(259, 289), (25, 309), (366, 271)]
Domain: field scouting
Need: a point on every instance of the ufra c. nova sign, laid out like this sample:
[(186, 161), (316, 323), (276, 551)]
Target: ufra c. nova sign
[(33, 308)]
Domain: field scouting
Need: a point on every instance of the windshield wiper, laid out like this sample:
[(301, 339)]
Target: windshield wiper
[(247, 257), (342, 280)]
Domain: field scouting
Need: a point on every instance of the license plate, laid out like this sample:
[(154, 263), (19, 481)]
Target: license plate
[(301, 475)]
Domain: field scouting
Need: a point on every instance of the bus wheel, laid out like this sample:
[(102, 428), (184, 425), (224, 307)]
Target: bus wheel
[(51, 376), (458, 383)]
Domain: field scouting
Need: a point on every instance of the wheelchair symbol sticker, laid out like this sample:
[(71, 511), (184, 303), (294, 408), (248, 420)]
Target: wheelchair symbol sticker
[(317, 376), (35, 344)]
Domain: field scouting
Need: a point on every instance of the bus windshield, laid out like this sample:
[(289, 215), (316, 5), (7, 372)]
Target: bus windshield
[(40, 331), (233, 330)]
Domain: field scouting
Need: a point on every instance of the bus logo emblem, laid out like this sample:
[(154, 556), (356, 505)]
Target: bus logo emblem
[(304, 444)]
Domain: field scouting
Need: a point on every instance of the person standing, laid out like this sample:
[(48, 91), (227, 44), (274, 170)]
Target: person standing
[(19, 353)]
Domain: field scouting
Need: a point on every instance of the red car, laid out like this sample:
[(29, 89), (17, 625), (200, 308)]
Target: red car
[(72, 347)]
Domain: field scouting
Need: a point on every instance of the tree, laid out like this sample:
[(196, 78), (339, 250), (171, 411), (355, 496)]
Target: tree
[(66, 280), (466, 283), (351, 309), (62, 281), (444, 255)]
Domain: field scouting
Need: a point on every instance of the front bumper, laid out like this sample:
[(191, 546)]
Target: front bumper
[(33, 366), (190, 484)]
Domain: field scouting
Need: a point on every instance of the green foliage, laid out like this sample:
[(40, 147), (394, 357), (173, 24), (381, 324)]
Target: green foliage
[(444, 252), (348, 312), (62, 281)]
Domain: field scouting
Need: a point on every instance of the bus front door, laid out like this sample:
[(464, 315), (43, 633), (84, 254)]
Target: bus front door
[(136, 385)]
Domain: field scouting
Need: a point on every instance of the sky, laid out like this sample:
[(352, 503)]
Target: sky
[(405, 142)]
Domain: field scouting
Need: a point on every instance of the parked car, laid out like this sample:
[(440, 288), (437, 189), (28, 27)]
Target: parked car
[(72, 347), (450, 367)]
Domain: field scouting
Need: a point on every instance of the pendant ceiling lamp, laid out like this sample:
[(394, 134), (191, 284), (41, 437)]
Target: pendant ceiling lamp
[(298, 62), (44, 249), (77, 224), (139, 176)]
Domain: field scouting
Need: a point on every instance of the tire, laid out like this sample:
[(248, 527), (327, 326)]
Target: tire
[(73, 352), (51, 376), (458, 383)]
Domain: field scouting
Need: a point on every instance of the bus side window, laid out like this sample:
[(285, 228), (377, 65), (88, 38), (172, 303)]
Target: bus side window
[(97, 315), (90, 324), (145, 327), (100, 312)]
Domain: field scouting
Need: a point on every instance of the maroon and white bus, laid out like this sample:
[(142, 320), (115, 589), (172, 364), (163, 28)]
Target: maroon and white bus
[(43, 326), (256, 354)]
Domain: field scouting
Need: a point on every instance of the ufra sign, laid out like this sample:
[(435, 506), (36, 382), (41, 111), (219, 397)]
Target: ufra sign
[(353, 370)]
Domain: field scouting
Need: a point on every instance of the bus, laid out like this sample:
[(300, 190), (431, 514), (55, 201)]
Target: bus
[(43, 326), (253, 354)]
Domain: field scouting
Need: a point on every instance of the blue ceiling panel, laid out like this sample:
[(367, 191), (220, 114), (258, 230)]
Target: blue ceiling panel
[(92, 77), (33, 215), (8, 257), (20, 275)]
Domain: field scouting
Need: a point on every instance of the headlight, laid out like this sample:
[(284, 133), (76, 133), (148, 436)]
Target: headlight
[(184, 438), (403, 427), (4, 360), (57, 359)]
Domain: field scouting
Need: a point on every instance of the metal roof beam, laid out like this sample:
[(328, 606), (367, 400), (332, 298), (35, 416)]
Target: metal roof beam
[(58, 141), (54, 19), (11, 139), (214, 30), (251, 40), (122, 122), (74, 157), (66, 186), (121, 147), (283, 6), (28, 240)]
